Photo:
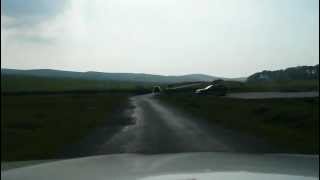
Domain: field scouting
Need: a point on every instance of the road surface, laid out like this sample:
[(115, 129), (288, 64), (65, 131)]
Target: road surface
[(158, 128), (267, 95)]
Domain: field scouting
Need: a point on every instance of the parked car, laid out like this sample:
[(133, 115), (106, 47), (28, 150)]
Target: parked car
[(156, 90), (216, 88)]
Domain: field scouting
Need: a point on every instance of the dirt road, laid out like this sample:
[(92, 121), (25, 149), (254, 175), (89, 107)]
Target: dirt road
[(159, 128)]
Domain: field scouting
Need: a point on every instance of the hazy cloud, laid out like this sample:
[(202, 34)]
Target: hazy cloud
[(36, 9), (219, 37)]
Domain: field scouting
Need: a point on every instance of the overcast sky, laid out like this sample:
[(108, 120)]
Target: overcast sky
[(229, 38)]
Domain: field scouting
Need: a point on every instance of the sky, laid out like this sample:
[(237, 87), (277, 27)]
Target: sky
[(226, 38)]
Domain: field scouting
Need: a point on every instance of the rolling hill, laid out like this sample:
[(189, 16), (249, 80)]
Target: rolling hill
[(91, 75), (289, 74), (13, 80)]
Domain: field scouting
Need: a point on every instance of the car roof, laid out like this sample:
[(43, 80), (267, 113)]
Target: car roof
[(208, 86)]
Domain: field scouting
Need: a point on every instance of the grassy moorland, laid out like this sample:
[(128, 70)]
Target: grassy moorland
[(291, 124), (41, 115), (20, 83), (38, 126), (280, 86)]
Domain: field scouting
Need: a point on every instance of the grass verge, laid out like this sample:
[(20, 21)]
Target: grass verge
[(38, 126), (291, 124)]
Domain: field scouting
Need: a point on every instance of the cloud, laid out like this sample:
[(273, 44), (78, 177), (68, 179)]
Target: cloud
[(12, 31), (164, 37), (32, 21), (32, 8)]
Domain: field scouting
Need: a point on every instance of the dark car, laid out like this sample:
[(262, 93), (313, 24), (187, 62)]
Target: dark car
[(156, 90)]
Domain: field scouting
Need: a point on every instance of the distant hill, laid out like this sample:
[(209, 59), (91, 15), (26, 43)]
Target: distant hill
[(91, 75), (293, 73), (240, 79)]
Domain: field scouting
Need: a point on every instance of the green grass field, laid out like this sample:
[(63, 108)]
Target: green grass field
[(287, 86), (18, 83), (282, 86), (291, 124), (41, 115), (38, 126)]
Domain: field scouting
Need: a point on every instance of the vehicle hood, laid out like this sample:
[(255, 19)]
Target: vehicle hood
[(182, 166)]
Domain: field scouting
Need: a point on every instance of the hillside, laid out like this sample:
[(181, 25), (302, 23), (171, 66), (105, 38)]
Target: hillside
[(22, 83), (13, 80), (289, 74), (91, 75)]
